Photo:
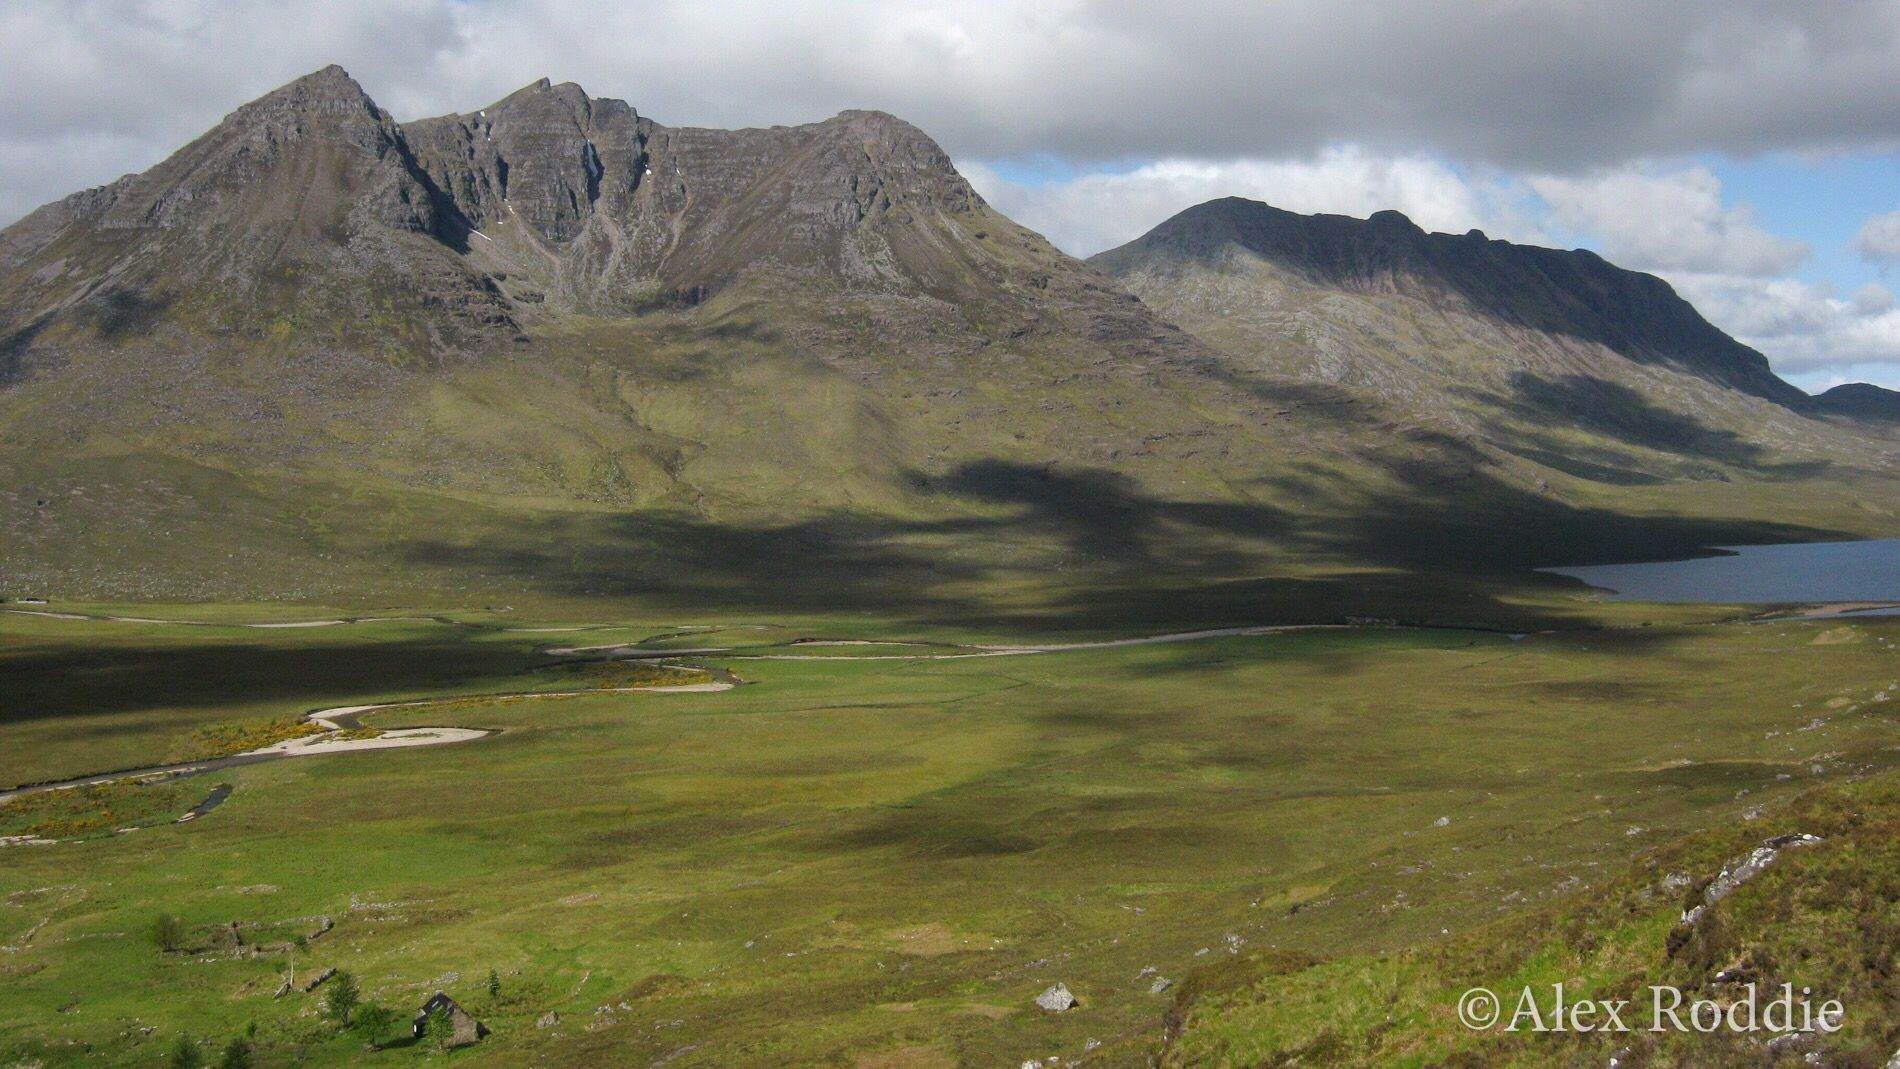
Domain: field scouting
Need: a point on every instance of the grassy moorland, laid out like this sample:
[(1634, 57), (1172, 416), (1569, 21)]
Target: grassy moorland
[(880, 862), (1822, 919)]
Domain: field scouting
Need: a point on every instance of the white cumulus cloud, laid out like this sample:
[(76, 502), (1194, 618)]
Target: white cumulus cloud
[(1092, 212), (1805, 330), (1667, 221)]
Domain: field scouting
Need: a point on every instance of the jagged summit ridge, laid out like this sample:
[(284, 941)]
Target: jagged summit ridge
[(631, 211), (544, 154), (546, 199)]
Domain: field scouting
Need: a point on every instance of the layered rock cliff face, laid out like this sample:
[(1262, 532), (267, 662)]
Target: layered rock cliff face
[(630, 210), (614, 211)]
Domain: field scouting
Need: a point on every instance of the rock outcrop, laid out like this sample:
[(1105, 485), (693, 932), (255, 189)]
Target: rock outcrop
[(1742, 870)]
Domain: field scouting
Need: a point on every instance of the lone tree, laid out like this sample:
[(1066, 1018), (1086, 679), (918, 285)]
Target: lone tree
[(375, 1022), (343, 998), (494, 984), (168, 932), (185, 1054), (439, 1027), (237, 1054)]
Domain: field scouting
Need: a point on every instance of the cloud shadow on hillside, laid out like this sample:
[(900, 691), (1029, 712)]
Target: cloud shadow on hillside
[(1613, 411), (1035, 547)]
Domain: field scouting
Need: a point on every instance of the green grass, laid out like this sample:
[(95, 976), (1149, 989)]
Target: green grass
[(95, 696), (912, 849), (607, 675), (94, 809)]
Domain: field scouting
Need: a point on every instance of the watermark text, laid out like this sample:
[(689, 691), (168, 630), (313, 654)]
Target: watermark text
[(1661, 1009)]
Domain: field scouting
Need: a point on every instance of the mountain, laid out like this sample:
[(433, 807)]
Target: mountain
[(312, 201), (553, 347), (553, 344), (1576, 296), (1554, 357), (1862, 400)]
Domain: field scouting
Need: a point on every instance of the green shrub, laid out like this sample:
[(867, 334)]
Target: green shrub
[(342, 998), (237, 1054), (375, 1022), (168, 933)]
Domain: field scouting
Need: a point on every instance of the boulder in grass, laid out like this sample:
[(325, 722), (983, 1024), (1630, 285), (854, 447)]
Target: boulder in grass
[(1057, 999)]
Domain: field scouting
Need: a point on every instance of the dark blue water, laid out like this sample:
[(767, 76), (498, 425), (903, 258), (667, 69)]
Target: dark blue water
[(1809, 572)]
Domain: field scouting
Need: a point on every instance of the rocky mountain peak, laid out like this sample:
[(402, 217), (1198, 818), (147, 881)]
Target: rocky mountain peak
[(322, 126), (326, 104), (331, 87), (883, 126)]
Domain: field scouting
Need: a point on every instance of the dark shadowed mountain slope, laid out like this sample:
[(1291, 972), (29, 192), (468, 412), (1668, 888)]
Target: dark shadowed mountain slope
[(1861, 400)]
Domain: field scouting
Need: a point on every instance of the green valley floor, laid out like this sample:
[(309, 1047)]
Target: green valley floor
[(876, 854)]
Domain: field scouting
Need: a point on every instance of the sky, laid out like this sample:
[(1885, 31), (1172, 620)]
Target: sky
[(1748, 151)]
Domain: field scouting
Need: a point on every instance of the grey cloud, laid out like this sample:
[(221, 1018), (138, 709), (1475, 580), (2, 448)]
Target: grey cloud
[(1558, 85), (1879, 238)]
